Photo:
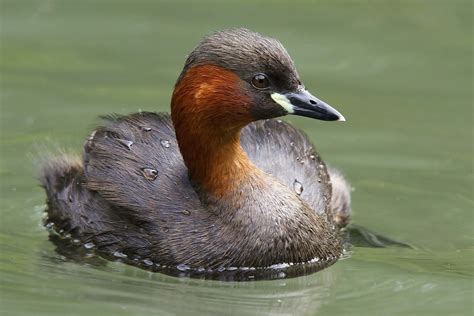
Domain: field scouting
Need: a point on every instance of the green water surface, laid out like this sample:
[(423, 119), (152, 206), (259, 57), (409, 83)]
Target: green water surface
[(400, 72)]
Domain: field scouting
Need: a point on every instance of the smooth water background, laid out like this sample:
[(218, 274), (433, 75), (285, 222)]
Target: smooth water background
[(401, 73)]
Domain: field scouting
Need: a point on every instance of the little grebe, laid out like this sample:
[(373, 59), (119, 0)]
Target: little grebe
[(219, 185)]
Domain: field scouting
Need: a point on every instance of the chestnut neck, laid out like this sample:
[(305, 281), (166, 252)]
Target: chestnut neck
[(209, 110)]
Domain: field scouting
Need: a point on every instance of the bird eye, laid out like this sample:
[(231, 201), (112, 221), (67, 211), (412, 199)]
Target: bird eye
[(260, 81)]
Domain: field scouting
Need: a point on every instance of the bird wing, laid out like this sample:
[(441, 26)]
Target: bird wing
[(287, 153), (134, 162)]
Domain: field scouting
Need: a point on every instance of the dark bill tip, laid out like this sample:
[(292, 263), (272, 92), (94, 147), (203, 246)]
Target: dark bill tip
[(304, 103)]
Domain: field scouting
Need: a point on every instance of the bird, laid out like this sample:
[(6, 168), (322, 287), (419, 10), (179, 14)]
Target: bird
[(219, 185)]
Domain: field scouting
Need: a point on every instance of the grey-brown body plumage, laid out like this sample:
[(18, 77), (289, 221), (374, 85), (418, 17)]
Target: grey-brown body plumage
[(131, 196)]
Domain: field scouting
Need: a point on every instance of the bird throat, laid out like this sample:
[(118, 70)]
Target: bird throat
[(218, 166), (208, 111)]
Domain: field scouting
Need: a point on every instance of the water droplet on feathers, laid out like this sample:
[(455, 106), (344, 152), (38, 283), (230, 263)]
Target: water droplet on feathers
[(165, 143), (119, 254), (148, 262), (89, 245), (150, 173), (298, 187), (183, 267), (126, 143), (278, 266)]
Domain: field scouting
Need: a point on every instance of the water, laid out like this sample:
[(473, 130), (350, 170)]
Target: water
[(165, 143), (150, 174), (298, 187), (400, 72)]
